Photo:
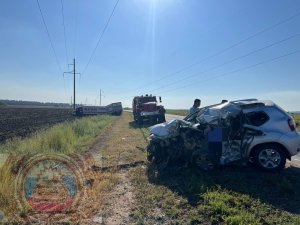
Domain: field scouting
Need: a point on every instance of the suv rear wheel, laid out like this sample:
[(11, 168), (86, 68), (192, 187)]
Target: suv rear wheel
[(269, 157)]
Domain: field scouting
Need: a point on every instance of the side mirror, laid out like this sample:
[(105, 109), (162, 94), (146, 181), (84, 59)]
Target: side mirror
[(160, 99)]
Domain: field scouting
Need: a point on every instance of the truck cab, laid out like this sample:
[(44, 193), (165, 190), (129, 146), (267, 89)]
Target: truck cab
[(147, 107)]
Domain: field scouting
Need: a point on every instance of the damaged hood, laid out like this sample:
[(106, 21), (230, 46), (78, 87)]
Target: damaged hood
[(168, 130)]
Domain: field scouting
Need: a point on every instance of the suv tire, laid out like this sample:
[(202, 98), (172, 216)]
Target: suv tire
[(270, 157)]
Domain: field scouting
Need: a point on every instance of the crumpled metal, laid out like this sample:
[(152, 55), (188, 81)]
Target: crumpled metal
[(168, 130)]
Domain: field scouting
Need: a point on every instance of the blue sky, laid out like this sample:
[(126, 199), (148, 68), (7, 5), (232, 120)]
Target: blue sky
[(148, 40)]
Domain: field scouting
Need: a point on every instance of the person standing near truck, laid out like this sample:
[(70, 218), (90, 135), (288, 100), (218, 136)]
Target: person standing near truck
[(195, 107)]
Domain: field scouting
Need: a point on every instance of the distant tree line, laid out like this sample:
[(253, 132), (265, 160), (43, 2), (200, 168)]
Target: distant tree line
[(32, 103)]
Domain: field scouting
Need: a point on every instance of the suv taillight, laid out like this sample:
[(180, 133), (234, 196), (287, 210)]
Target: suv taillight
[(292, 124)]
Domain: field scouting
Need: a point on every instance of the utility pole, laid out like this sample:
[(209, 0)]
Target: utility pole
[(100, 97), (74, 82)]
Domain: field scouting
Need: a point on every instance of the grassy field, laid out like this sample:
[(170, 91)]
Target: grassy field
[(66, 138), (180, 112), (141, 194), (231, 195), (297, 119)]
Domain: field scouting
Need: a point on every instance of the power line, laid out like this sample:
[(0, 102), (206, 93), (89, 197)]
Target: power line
[(65, 38), (223, 50), (227, 62), (230, 61), (234, 71), (49, 37), (101, 36)]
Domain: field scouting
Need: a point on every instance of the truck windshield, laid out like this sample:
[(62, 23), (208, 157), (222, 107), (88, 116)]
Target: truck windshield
[(147, 99)]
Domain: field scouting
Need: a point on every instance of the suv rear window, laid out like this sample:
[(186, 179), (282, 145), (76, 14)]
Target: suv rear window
[(257, 118)]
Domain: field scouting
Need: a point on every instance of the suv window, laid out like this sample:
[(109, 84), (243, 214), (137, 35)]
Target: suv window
[(257, 118)]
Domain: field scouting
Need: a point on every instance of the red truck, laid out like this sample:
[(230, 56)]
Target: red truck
[(146, 107)]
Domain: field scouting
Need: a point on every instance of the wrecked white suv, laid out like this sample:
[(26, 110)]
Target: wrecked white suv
[(238, 131)]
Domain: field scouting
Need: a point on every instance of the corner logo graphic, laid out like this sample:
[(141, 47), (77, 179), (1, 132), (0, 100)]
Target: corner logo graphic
[(49, 184)]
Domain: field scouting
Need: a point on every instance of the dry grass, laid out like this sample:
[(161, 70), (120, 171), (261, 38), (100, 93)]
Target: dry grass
[(127, 143), (67, 138)]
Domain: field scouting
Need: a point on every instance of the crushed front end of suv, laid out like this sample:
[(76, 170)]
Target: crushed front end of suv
[(240, 131)]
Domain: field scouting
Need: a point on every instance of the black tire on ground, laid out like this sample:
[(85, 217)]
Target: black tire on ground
[(269, 157), (161, 118), (140, 120), (154, 119)]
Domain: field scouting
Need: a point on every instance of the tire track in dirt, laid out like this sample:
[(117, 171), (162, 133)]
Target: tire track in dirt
[(126, 147), (119, 202)]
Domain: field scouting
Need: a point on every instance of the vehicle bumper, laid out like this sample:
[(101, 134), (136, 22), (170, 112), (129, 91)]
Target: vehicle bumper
[(154, 113)]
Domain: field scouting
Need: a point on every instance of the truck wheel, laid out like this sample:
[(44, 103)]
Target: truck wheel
[(269, 157), (162, 118), (140, 120), (154, 120)]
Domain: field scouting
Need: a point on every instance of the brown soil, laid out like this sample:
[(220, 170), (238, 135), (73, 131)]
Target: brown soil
[(21, 122)]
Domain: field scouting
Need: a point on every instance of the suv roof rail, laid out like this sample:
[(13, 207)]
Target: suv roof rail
[(245, 100)]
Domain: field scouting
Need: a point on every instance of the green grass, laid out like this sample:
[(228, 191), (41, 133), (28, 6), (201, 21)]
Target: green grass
[(65, 138), (180, 112), (232, 196), (297, 119)]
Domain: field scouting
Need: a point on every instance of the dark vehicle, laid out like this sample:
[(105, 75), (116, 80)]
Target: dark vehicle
[(115, 108), (146, 107)]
